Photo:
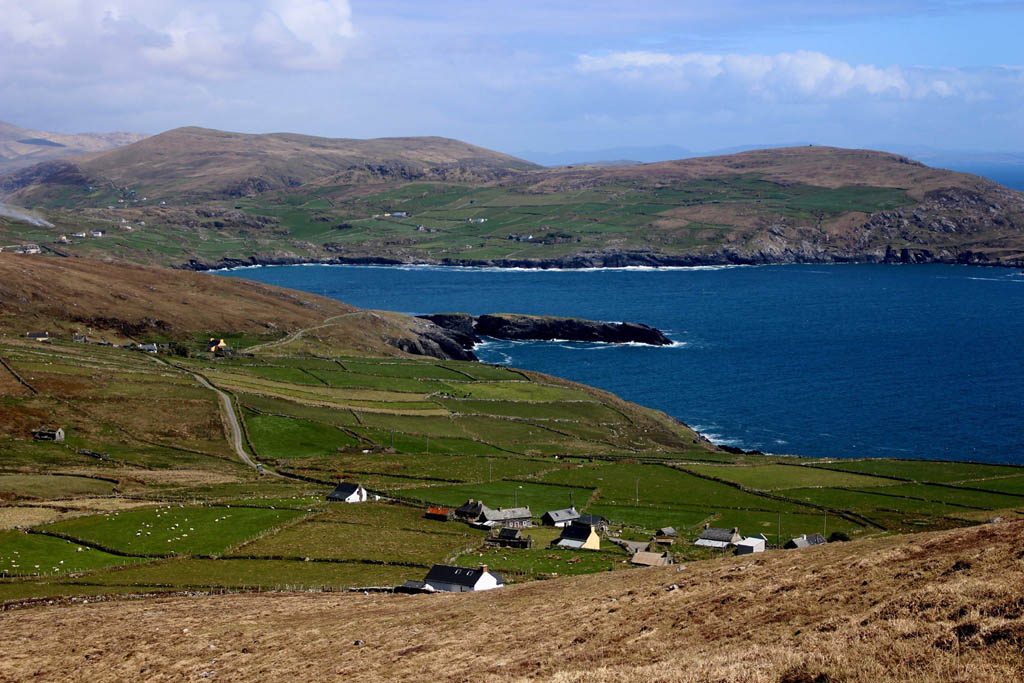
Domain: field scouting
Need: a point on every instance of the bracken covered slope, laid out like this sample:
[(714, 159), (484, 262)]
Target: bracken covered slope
[(67, 295), (943, 606)]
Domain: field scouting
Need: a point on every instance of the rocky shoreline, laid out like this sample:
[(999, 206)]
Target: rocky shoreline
[(629, 259)]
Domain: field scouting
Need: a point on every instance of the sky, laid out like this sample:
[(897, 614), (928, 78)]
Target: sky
[(527, 76)]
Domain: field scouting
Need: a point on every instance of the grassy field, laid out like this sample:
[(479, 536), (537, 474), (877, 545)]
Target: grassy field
[(162, 503)]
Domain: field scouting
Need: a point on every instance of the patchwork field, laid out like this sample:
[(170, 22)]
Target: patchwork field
[(149, 493)]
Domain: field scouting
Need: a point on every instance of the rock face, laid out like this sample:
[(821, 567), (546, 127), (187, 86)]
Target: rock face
[(436, 341), (468, 329)]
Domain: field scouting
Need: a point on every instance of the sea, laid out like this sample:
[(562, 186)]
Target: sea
[(838, 361)]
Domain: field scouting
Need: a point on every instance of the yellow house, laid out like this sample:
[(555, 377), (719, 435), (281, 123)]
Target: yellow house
[(579, 536)]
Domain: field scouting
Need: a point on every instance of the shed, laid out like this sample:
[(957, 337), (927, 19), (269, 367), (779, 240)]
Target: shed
[(347, 493), (805, 541), (751, 544), (507, 537), (149, 348), (646, 559), (448, 579), (578, 536), (713, 537), (438, 513), (48, 434), (559, 518)]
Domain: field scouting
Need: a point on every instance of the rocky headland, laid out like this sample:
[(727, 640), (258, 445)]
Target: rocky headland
[(467, 329)]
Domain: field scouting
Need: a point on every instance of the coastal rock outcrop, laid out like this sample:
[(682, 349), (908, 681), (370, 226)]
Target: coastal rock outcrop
[(468, 329)]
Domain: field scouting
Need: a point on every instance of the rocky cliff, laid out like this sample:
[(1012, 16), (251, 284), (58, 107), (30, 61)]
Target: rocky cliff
[(467, 329)]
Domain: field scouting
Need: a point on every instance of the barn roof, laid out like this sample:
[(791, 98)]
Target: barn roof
[(650, 559)]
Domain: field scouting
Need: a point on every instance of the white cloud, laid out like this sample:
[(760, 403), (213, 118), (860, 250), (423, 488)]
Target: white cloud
[(784, 75), (192, 38)]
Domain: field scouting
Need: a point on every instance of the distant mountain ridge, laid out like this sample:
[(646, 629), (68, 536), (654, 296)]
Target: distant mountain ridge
[(202, 163), (213, 199), (21, 147)]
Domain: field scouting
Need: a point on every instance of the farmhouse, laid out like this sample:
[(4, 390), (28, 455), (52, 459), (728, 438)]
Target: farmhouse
[(751, 544), (469, 511), (399, 214), (805, 541), (78, 234), (347, 493), (149, 348), (578, 536), (666, 535), (438, 513), (215, 345), (48, 434), (38, 336), (96, 233), (508, 537), (713, 537), (447, 579), (559, 518), (646, 559), (516, 518)]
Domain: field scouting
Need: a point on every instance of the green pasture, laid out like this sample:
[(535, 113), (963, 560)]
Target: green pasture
[(173, 529)]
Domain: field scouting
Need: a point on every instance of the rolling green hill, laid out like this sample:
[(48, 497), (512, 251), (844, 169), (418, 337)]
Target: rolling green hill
[(208, 198)]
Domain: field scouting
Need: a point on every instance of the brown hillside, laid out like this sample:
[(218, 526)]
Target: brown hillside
[(65, 295), (818, 166), (199, 162), (931, 607)]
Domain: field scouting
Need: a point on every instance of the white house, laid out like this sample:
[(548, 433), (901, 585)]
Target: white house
[(96, 233), (347, 493), (447, 579), (751, 544)]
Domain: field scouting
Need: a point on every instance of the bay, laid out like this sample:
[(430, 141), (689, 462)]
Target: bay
[(838, 361)]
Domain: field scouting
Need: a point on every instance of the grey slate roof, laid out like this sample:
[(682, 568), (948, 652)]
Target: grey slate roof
[(576, 531), (593, 520), (460, 576), (343, 491), (505, 514), (471, 509), (717, 534), (509, 534), (566, 515), (667, 531)]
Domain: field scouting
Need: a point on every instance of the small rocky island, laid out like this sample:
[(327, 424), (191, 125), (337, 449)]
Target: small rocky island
[(467, 329)]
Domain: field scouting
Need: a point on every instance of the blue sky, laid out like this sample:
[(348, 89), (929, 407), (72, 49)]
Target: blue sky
[(527, 75)]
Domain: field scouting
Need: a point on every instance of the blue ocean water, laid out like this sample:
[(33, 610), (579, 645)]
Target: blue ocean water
[(838, 361)]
